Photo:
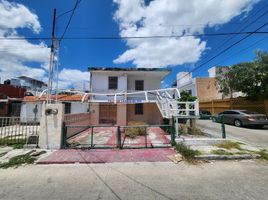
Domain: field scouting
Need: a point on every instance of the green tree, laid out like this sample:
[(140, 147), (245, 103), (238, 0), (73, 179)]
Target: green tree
[(225, 82), (186, 96), (251, 78)]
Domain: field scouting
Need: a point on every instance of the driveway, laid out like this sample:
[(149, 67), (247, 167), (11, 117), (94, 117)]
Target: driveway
[(253, 136), (219, 180)]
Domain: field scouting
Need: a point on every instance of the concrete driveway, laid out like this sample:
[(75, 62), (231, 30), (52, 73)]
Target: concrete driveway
[(219, 180), (252, 136)]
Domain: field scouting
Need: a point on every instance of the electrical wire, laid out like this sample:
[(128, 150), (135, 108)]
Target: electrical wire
[(136, 37)]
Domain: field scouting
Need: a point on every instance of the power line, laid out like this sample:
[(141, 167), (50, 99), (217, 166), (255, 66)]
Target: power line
[(70, 19), (136, 37), (226, 49), (242, 29)]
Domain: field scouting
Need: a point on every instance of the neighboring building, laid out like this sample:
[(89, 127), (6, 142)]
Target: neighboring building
[(10, 100), (33, 86), (116, 80), (204, 88), (32, 106)]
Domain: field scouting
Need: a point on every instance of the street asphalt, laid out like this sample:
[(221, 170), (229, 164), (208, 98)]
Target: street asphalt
[(219, 180), (254, 136)]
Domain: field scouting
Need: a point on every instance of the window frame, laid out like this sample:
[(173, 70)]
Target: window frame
[(138, 85), (113, 85)]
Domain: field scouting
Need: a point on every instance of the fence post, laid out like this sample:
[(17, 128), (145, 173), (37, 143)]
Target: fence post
[(64, 135), (223, 127), (146, 137), (91, 141), (172, 136), (119, 138)]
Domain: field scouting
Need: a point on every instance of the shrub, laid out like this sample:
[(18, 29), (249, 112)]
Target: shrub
[(133, 132), (188, 153)]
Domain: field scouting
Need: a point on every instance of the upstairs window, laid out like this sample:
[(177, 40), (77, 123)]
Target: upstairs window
[(139, 85), (113, 82), (139, 109)]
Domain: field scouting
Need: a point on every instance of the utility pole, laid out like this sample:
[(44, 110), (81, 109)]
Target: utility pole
[(51, 60)]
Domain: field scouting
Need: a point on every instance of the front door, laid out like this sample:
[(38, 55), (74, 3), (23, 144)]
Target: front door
[(108, 113)]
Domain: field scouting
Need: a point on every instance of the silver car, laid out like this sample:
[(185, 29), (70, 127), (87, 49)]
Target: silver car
[(243, 118)]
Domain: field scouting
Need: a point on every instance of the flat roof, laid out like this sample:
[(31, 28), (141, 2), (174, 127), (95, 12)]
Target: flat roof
[(31, 79), (129, 69)]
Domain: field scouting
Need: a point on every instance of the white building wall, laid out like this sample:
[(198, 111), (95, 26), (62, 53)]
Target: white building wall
[(100, 81), (77, 107), (150, 82), (27, 112)]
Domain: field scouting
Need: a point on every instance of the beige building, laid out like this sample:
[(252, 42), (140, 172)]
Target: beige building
[(204, 88)]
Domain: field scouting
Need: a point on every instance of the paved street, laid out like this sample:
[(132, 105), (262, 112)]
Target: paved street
[(219, 180), (253, 136)]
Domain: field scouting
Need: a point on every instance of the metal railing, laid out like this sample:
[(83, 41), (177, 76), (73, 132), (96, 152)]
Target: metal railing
[(13, 131), (101, 136)]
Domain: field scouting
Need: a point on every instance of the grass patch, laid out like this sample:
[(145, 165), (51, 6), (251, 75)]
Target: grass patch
[(263, 153), (221, 152), (2, 154), (15, 143), (18, 160), (229, 145), (133, 132), (188, 153)]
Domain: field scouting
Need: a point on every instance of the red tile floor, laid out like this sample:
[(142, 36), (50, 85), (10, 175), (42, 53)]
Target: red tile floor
[(68, 156)]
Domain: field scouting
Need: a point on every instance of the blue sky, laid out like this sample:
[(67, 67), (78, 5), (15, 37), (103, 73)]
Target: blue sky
[(98, 18)]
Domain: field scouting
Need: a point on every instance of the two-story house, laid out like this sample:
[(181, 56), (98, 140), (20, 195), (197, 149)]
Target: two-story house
[(134, 107)]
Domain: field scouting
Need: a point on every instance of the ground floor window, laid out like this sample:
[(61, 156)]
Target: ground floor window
[(67, 108), (139, 109)]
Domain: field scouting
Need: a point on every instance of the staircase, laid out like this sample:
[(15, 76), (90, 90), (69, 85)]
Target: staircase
[(170, 107)]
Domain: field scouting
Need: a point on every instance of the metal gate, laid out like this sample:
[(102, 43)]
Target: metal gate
[(121, 137)]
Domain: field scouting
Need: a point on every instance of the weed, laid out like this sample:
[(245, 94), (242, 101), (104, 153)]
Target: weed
[(263, 153), (135, 131), (221, 152), (188, 153), (229, 145), (16, 143), (2, 154), (18, 160)]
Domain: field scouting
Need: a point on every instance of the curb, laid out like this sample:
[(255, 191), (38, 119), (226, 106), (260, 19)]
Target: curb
[(227, 157)]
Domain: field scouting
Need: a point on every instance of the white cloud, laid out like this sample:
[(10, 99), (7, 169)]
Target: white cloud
[(169, 17), (72, 77), (15, 54)]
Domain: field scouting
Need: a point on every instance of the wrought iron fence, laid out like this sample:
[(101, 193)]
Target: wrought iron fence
[(13, 131)]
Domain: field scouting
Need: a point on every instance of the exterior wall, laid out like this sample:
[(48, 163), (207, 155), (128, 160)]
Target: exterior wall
[(206, 89), (94, 108), (3, 109), (50, 136), (11, 91), (77, 107), (151, 114), (150, 82), (99, 81), (27, 112), (122, 114)]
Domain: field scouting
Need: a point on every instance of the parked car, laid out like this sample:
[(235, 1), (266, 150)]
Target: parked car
[(204, 114), (241, 118)]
